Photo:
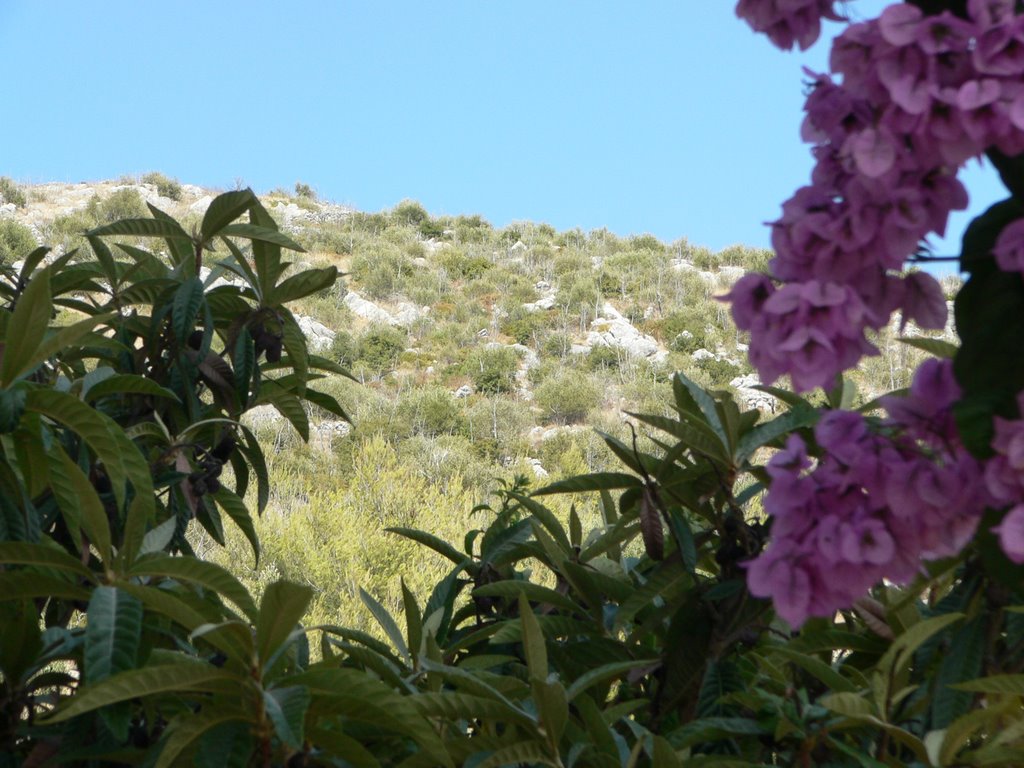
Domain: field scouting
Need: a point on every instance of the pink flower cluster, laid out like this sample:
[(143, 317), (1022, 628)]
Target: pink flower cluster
[(788, 22), (1004, 479), (872, 506), (917, 96)]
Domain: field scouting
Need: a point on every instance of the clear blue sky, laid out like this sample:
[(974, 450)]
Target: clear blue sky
[(661, 116)]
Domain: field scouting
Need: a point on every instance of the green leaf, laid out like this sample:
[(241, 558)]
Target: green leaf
[(705, 402), (59, 339), (262, 234), (303, 284), (797, 418), (24, 584), (339, 746), (112, 634), (167, 228), (188, 300), (603, 674), (200, 572), (185, 729), (818, 668), (1007, 685), (533, 642), (936, 347), (223, 210), (966, 663), (849, 704), (127, 384), (903, 647), (545, 517), (181, 677), (80, 503), (286, 709), (12, 408), (433, 542), (281, 609), (524, 752), (24, 553), (235, 508), (26, 328), (513, 588), (596, 481), (386, 622), (413, 619)]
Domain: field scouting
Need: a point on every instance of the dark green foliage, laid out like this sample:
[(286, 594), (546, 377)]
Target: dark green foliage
[(566, 397), (379, 348), (11, 192), (16, 241), (493, 369), (124, 203), (165, 185)]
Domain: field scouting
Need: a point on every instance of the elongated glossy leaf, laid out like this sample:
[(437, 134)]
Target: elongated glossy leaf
[(937, 347), (286, 709), (262, 234), (235, 508), (433, 542), (22, 584), (533, 641), (112, 633), (166, 228), (524, 752), (120, 457), (966, 663), (1008, 685), (452, 705), (597, 481), (26, 328), (137, 683), (61, 338), (223, 210), (305, 283), (282, 607), (338, 745), (188, 300), (128, 384), (818, 668), (200, 572), (796, 418), (545, 517), (295, 343), (605, 673), (24, 553), (81, 505), (184, 730), (513, 588), (386, 622)]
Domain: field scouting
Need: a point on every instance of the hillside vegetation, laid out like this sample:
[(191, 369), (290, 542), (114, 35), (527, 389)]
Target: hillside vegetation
[(478, 354)]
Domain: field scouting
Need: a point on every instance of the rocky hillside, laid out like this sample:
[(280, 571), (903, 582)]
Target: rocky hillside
[(477, 353)]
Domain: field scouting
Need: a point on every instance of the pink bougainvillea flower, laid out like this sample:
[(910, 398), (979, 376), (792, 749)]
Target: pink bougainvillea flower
[(1009, 247), (1011, 534)]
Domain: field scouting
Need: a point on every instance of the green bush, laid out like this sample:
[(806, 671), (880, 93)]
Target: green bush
[(124, 203), (522, 325), (16, 241), (344, 349), (11, 192), (567, 397), (432, 411), (461, 266), (410, 213), (165, 185), (380, 347), (305, 191), (493, 369)]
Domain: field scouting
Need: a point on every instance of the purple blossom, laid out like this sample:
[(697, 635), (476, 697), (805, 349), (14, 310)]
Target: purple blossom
[(1011, 534), (787, 22), (1009, 247)]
